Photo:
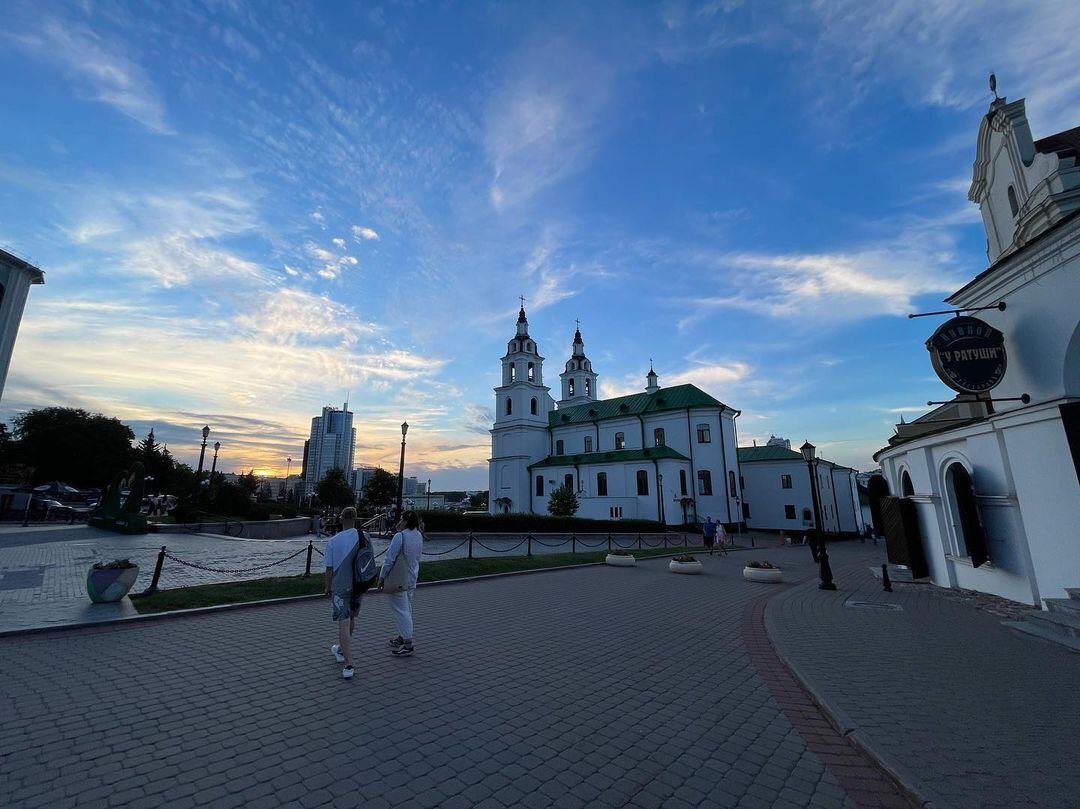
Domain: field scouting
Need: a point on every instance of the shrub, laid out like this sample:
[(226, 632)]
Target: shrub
[(684, 558), (115, 564), (761, 565), (620, 553)]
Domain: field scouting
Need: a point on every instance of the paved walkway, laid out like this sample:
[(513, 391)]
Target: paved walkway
[(970, 713), (601, 687)]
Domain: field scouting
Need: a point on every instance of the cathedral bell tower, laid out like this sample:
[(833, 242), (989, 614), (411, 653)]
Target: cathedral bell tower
[(520, 434), (579, 379)]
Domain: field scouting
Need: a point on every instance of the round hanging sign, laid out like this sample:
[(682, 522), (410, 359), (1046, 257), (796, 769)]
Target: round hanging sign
[(968, 354)]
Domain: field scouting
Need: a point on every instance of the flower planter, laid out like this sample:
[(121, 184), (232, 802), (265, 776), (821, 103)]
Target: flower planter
[(618, 560), (771, 575), (107, 585), (684, 567)]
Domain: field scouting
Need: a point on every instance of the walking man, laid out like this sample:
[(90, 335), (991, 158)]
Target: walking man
[(339, 556), (709, 534)]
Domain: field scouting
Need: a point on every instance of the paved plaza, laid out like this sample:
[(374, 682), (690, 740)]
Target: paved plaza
[(584, 687)]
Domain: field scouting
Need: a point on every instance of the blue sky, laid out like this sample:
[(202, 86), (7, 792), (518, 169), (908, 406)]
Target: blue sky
[(247, 211)]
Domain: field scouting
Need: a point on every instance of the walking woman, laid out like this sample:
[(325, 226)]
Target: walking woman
[(400, 569)]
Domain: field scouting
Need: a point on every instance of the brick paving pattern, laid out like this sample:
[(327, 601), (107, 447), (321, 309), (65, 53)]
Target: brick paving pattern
[(593, 687), (971, 713)]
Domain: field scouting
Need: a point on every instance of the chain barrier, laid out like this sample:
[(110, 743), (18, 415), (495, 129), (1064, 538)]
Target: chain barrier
[(461, 544), (620, 545), (599, 544), (548, 544), (497, 550), (236, 571)]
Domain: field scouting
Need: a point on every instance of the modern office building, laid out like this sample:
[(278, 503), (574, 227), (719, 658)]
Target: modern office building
[(330, 446)]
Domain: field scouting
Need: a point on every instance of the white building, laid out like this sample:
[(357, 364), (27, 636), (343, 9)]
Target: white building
[(16, 277), (993, 485), (776, 493), (331, 445), (664, 454)]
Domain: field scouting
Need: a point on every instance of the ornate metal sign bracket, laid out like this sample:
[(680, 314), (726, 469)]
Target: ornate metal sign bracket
[(1000, 306)]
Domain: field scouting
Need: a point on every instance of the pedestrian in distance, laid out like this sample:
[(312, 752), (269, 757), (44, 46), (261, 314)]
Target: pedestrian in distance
[(341, 585), (400, 570), (708, 532)]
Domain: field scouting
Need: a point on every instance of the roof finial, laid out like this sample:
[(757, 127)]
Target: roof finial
[(522, 299), (993, 87)]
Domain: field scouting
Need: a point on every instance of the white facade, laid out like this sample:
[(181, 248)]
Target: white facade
[(16, 277), (777, 495), (1023, 460), (665, 454), (331, 445)]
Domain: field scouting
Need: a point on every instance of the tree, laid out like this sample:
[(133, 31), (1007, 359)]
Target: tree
[(334, 490), (478, 501), (69, 444), (563, 502), (380, 489), (5, 445)]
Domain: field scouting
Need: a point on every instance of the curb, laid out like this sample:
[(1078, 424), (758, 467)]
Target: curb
[(897, 773), (197, 611)]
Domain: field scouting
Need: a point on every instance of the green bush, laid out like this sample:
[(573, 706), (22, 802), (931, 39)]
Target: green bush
[(532, 523)]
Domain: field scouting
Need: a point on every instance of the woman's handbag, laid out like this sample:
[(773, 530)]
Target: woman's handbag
[(397, 579)]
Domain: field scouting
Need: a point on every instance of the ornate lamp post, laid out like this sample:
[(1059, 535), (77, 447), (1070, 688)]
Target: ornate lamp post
[(821, 555), (288, 469), (202, 457), (429, 494), (401, 467), (213, 465)]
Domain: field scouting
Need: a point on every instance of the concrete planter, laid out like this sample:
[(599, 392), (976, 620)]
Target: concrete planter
[(617, 560), (104, 586), (684, 567), (763, 574)]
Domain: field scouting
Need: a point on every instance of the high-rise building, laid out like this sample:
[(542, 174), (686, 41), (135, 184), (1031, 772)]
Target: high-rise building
[(331, 445), (16, 276)]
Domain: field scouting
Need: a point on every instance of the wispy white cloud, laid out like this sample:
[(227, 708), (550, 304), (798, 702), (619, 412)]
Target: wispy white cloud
[(366, 234)]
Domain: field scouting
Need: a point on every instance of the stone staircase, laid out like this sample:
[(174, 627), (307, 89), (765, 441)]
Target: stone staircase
[(1059, 623)]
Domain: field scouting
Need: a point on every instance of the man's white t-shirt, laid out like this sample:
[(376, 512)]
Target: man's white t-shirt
[(339, 549)]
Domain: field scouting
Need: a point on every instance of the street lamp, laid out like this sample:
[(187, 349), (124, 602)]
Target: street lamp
[(429, 494), (213, 466), (817, 549), (401, 467), (202, 456), (288, 469)]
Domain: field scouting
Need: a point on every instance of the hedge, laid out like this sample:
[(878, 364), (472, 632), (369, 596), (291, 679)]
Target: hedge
[(534, 523)]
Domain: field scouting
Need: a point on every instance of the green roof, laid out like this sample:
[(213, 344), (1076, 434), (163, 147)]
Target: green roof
[(614, 456), (768, 453), (679, 397)]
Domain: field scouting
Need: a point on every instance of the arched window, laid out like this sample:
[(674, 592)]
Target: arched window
[(528, 347), (532, 372), (682, 482), (620, 440), (658, 437), (1014, 206), (509, 405), (532, 406), (588, 387), (704, 483), (642, 483), (513, 372), (964, 510), (539, 485), (559, 447), (601, 484), (588, 443), (906, 489), (568, 481), (571, 387)]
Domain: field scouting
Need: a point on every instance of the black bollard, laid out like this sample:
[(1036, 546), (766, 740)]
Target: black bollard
[(307, 567), (885, 581), (609, 543), (573, 543), (825, 570), (530, 545), (157, 575), (470, 544)]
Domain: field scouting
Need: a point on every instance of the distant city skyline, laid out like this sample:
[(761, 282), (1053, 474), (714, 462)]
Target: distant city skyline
[(246, 215)]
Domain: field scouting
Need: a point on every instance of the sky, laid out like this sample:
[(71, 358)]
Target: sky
[(247, 211)]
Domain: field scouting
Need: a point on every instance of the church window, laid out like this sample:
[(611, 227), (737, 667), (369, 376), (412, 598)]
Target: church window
[(559, 447), (682, 482), (532, 372), (588, 443), (785, 481), (642, 482), (571, 387), (513, 372), (601, 484), (620, 440), (588, 387), (704, 483), (703, 434), (509, 405), (528, 347), (658, 437), (731, 484), (789, 512), (539, 485), (568, 481), (532, 406), (1014, 206)]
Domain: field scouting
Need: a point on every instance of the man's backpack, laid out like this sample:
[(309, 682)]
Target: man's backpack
[(364, 570)]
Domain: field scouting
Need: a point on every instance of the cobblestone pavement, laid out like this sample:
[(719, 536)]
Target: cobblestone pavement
[(596, 686), (970, 713)]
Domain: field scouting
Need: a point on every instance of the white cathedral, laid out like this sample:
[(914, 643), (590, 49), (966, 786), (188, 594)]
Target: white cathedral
[(666, 454)]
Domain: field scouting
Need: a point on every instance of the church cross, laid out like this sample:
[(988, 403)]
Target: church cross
[(522, 299)]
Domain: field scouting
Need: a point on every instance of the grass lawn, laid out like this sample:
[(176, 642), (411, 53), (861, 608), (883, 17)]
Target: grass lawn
[(208, 595)]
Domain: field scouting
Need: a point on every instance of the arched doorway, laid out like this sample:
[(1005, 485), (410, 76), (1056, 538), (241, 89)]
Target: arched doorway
[(877, 488), (964, 511), (906, 489)]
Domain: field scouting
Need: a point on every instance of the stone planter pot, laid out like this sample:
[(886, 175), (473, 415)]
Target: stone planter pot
[(684, 567), (104, 586), (616, 560), (764, 574)]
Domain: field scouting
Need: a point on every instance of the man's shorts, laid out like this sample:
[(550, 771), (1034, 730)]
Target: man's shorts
[(709, 541), (345, 606)]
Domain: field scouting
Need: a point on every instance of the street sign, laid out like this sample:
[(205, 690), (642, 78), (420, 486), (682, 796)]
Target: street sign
[(968, 354)]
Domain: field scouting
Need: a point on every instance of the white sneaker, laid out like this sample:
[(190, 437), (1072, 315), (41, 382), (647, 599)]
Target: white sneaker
[(335, 650), (347, 673)]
